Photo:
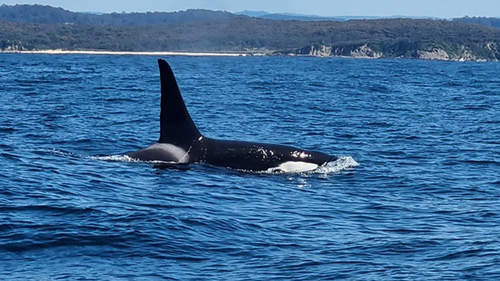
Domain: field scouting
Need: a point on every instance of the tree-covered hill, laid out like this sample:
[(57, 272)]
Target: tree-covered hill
[(50, 15), (395, 38), (484, 21)]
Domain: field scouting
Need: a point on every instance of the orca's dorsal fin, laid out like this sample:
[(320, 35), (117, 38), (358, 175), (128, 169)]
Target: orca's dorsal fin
[(176, 126)]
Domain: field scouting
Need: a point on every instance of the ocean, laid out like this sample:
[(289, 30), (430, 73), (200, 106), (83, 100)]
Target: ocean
[(415, 194)]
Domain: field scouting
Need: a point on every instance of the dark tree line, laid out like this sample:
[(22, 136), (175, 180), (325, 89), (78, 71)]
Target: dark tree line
[(50, 15), (491, 22)]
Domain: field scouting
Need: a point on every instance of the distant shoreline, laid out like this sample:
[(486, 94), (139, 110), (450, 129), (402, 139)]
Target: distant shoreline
[(89, 52), (436, 55)]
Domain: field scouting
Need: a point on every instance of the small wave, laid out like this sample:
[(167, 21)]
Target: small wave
[(65, 240), (59, 152), (7, 130), (49, 209), (109, 158), (481, 162)]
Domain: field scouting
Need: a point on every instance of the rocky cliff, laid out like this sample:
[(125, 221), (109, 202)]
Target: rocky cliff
[(488, 52)]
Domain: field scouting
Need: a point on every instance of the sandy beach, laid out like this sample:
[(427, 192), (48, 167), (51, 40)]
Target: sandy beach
[(85, 52)]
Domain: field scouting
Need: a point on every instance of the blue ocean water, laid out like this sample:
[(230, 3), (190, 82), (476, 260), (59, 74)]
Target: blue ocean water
[(423, 203)]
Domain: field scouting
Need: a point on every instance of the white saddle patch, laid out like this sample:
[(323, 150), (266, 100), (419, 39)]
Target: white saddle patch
[(294, 167), (168, 151)]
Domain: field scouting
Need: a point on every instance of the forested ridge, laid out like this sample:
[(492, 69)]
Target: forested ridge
[(25, 27), (51, 15), (484, 21)]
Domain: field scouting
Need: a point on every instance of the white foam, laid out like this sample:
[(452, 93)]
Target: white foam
[(128, 159), (114, 158), (341, 164)]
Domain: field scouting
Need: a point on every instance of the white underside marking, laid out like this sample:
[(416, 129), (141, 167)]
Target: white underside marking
[(294, 167)]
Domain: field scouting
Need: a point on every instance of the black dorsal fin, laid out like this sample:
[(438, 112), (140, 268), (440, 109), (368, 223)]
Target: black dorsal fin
[(176, 126)]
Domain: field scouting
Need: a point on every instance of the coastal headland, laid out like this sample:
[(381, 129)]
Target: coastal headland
[(44, 29)]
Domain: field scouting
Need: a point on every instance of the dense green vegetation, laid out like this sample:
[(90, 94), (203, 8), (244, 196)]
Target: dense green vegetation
[(51, 15), (220, 31), (492, 22)]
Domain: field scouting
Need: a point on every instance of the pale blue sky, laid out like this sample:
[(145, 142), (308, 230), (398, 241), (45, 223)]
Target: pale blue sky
[(431, 8)]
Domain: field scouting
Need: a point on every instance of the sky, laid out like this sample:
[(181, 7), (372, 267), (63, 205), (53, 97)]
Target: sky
[(410, 8)]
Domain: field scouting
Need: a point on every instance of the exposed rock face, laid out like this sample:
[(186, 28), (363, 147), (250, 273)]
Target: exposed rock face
[(438, 54), (315, 51), (453, 53), (463, 54), (12, 48), (466, 55), (365, 52), (494, 50)]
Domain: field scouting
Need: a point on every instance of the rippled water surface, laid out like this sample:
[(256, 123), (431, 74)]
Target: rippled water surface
[(423, 203)]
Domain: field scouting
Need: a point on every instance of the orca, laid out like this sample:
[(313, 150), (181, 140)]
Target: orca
[(182, 143)]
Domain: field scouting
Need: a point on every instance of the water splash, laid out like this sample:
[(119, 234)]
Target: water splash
[(115, 158), (341, 164)]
